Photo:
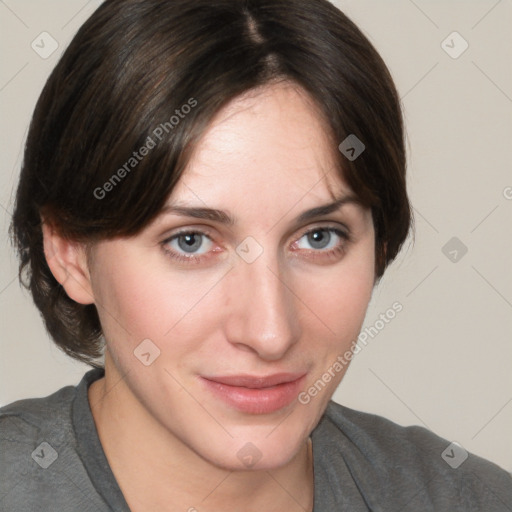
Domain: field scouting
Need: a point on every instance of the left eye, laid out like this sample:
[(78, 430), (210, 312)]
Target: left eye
[(322, 238)]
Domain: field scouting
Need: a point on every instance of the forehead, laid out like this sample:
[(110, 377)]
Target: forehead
[(271, 141)]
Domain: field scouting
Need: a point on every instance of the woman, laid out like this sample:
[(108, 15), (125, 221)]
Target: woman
[(210, 192)]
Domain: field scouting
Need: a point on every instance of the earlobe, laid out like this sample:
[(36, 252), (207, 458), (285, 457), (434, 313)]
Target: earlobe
[(67, 260)]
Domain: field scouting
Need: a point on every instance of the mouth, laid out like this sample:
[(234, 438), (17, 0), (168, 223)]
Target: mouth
[(255, 394)]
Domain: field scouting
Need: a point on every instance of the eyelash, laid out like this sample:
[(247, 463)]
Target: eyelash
[(329, 254)]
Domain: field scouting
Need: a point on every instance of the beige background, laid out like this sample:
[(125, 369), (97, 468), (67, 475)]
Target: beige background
[(444, 362)]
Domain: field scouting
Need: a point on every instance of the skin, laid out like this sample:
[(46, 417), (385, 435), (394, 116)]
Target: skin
[(265, 159)]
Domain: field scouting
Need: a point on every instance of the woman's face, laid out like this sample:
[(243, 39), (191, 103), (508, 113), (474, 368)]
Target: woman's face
[(218, 327)]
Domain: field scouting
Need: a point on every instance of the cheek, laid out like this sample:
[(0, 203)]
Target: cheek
[(338, 296), (339, 301), (143, 299)]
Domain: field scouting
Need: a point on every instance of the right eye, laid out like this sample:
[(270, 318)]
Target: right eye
[(184, 243)]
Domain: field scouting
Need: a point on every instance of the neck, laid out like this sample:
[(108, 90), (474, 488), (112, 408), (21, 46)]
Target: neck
[(156, 471)]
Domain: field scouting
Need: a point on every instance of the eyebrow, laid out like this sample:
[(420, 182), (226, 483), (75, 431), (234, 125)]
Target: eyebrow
[(223, 217)]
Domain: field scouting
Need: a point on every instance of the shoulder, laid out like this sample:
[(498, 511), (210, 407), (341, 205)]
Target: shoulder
[(34, 433), (21, 420), (411, 459), (42, 464)]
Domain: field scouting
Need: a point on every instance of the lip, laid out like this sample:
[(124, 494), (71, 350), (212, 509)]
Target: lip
[(256, 394)]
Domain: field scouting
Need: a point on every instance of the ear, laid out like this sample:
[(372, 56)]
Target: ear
[(67, 260)]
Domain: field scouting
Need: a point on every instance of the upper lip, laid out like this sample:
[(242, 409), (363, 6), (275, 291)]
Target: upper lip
[(252, 381)]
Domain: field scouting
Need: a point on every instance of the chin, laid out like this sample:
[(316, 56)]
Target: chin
[(253, 459), (255, 451)]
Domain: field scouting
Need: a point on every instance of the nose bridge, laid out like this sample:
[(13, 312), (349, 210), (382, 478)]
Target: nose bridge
[(265, 316)]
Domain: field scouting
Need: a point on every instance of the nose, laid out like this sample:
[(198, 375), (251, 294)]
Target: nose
[(262, 314)]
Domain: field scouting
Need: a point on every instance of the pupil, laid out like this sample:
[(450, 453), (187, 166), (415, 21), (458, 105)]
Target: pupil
[(191, 242), (319, 238)]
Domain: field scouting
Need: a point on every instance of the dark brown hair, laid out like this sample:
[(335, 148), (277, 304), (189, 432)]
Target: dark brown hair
[(139, 66)]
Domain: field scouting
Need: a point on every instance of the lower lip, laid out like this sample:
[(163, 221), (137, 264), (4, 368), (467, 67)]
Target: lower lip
[(258, 400)]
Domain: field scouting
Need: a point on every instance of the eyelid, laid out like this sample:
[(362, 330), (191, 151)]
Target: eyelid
[(202, 230), (339, 226), (312, 226)]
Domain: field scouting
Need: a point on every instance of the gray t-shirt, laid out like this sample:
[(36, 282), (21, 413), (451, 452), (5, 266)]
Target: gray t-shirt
[(51, 459)]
